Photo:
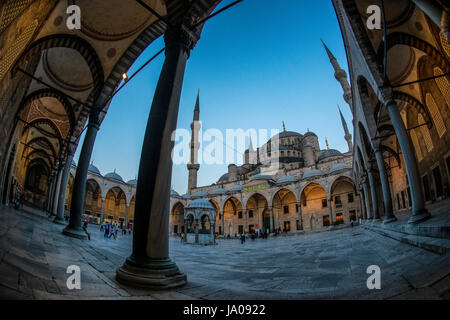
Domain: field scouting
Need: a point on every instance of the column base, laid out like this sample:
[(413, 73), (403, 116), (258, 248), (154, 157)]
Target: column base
[(156, 274), (376, 220), (74, 233), (60, 221), (389, 220), (420, 216)]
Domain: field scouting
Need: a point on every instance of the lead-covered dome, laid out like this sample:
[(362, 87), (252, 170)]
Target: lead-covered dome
[(218, 191), (133, 182), (260, 176), (94, 169), (223, 177), (313, 173), (329, 153), (174, 193), (339, 166), (200, 203), (287, 179), (200, 194), (186, 196), (236, 188), (114, 175), (309, 134)]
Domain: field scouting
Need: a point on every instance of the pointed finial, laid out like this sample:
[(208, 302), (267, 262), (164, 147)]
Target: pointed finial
[(197, 103), (284, 127), (114, 170), (330, 55), (326, 143), (307, 129)]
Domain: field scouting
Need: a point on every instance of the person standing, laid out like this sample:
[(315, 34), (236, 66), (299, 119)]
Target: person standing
[(85, 225)]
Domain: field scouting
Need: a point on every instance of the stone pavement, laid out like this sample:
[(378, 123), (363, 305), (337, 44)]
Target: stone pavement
[(34, 256)]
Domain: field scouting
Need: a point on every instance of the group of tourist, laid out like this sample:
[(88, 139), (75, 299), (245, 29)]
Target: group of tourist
[(111, 229)]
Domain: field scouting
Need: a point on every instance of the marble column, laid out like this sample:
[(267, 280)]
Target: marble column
[(373, 193), (367, 200), (361, 204), (56, 193), (102, 209), (271, 218), (51, 190), (74, 228), (59, 219), (245, 221), (419, 212), (149, 264), (211, 229), (387, 200), (126, 213), (330, 205), (299, 204)]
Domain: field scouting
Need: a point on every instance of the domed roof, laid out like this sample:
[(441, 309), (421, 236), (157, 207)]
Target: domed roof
[(329, 153), (285, 134), (201, 203), (200, 194), (313, 173), (218, 191), (132, 182), (287, 179), (339, 166), (94, 169), (237, 187), (174, 193), (223, 177), (113, 175), (309, 134), (186, 196), (260, 176)]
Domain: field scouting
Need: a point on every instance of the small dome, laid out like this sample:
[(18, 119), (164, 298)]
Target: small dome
[(174, 193), (133, 182), (223, 177), (94, 169), (339, 166), (186, 196), (313, 173), (200, 194), (201, 203), (113, 175), (260, 176), (218, 191), (237, 187), (329, 153), (309, 134), (287, 179)]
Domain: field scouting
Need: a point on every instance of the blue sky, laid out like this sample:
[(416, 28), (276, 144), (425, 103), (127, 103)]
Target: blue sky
[(256, 65)]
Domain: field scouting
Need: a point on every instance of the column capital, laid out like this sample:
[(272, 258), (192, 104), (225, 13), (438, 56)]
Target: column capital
[(181, 36)]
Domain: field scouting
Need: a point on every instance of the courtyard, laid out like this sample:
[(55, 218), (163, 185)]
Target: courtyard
[(34, 256)]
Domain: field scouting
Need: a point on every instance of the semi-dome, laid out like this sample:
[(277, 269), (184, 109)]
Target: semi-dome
[(218, 191), (287, 179), (113, 175), (186, 196), (94, 169), (329, 153), (200, 194), (260, 176), (200, 203), (313, 173), (237, 187), (339, 166), (133, 182), (223, 177), (309, 134), (174, 193)]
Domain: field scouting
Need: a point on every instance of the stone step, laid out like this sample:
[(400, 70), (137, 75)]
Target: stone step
[(437, 245)]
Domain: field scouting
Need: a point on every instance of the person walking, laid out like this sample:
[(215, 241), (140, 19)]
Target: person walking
[(85, 225)]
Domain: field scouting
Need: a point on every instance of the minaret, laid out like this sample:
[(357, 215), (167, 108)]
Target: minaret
[(193, 165), (348, 136), (340, 76)]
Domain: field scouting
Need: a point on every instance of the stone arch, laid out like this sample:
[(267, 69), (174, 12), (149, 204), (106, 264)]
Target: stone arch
[(93, 197), (68, 41), (285, 210), (44, 154), (45, 141), (314, 202), (115, 203), (176, 220), (415, 104), (36, 122), (256, 206), (343, 193)]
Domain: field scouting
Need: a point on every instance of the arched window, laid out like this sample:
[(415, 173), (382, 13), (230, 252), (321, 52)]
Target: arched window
[(425, 133), (416, 145), (443, 84), (435, 114)]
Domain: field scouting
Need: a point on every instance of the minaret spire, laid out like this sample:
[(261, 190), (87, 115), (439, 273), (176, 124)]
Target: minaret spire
[(341, 77), (348, 136), (284, 127), (193, 165)]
